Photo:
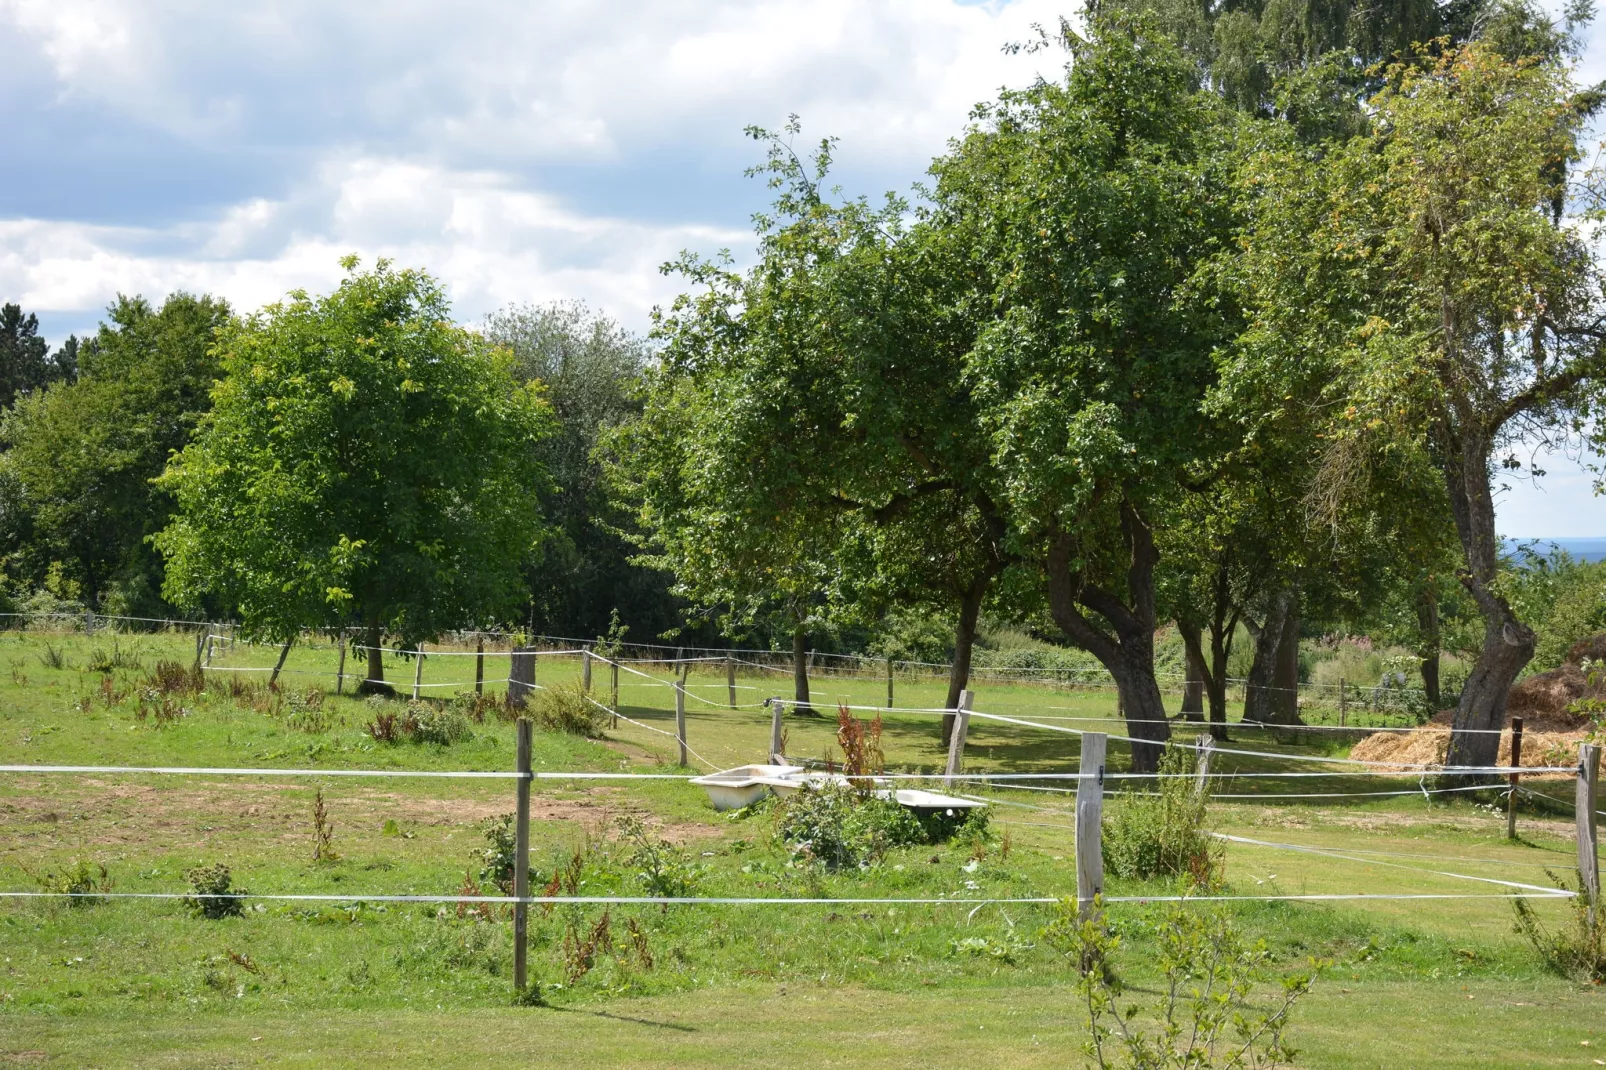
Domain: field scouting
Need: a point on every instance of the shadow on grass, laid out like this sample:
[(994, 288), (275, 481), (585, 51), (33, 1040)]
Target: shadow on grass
[(672, 1026)]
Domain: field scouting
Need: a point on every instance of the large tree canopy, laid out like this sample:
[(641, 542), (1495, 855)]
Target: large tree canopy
[(82, 454), (365, 462)]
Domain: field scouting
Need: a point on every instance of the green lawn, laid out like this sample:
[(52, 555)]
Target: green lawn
[(142, 982)]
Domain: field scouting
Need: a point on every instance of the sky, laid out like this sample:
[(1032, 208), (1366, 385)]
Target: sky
[(520, 151)]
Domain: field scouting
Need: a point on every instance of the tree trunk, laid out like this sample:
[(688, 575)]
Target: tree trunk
[(1285, 680), (964, 643), (1427, 616), (1195, 672), (1265, 694), (1126, 647), (800, 670), (374, 683), (1508, 643)]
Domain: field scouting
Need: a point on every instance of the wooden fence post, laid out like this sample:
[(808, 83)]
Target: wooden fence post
[(777, 707), (418, 669), (200, 642), (521, 676), (585, 671), (1090, 822), (1586, 802), (889, 683), (956, 741), (1343, 709), (521, 860), (340, 670), (284, 652), (613, 668), (209, 646), (89, 622), (479, 666), (1516, 763), (1207, 747), (680, 712), (730, 679)]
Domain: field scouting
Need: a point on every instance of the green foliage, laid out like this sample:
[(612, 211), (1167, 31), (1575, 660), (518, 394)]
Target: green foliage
[(567, 708), (26, 363), (661, 868), (213, 894), (1564, 599), (1209, 1013), (1577, 949), (1164, 833), (366, 462), (84, 882), (425, 722), (82, 454), (500, 852), (842, 828)]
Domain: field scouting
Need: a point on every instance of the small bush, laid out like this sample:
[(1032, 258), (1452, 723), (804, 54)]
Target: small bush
[(567, 708), (1163, 833), (85, 883), (156, 707), (307, 711), (661, 867), (213, 894), (172, 678), (842, 828), (1208, 1013), (501, 850), (1578, 950), (475, 706), (428, 724)]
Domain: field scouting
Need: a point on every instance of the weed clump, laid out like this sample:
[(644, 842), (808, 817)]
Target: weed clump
[(842, 828), (662, 868), (172, 678), (419, 722), (1164, 833), (86, 884), (213, 894), (1209, 1013), (501, 851), (1578, 950), (105, 661), (567, 708)]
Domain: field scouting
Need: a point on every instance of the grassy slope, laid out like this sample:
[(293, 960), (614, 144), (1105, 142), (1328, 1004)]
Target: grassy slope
[(353, 982)]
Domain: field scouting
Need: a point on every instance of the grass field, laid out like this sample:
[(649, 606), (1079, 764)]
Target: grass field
[(144, 983)]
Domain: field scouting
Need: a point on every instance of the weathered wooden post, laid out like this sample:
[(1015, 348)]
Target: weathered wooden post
[(1516, 763), (284, 652), (418, 669), (680, 712), (777, 707), (520, 676), (1089, 822), (479, 666), (889, 683), (340, 669), (585, 671), (956, 741), (200, 643), (89, 622), (1586, 802), (730, 679), (613, 668), (209, 646), (521, 860), (1207, 747), (1343, 706)]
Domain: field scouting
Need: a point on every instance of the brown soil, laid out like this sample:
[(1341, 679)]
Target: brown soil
[(112, 814)]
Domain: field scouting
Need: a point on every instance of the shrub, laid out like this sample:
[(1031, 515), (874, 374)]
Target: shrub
[(475, 706), (661, 867), (567, 708), (429, 724), (501, 850), (1208, 1013), (385, 726), (1577, 950), (172, 678), (1163, 833), (213, 895), (860, 741), (842, 828), (85, 883)]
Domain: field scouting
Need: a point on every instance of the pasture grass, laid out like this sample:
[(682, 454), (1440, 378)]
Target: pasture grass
[(144, 983)]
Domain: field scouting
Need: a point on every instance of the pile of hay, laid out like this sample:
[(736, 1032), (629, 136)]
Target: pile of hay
[(1550, 734)]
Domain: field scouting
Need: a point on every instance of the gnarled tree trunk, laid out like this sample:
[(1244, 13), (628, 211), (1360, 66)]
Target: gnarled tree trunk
[(1194, 672), (1427, 618), (1271, 693), (1126, 647), (1508, 643)]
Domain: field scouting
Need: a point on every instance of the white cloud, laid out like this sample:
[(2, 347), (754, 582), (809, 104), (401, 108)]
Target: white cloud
[(491, 242)]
